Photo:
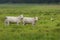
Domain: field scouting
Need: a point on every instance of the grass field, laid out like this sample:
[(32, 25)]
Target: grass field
[(45, 29)]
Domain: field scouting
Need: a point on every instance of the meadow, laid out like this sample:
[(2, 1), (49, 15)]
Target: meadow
[(44, 29)]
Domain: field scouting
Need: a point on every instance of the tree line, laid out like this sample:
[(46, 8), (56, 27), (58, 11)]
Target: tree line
[(29, 1)]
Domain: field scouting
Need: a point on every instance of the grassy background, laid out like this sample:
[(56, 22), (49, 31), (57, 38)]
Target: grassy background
[(45, 29)]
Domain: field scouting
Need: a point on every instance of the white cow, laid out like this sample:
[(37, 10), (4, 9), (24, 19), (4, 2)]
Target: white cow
[(13, 19), (31, 20)]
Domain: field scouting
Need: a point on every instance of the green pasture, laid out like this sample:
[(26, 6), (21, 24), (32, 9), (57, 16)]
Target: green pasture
[(44, 29)]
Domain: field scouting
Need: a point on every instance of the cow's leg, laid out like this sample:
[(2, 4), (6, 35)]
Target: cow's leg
[(7, 22), (33, 23), (17, 23), (24, 23)]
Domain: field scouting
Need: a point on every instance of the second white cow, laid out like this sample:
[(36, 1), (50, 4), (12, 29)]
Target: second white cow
[(29, 20)]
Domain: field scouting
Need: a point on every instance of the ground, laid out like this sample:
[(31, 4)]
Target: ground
[(44, 29)]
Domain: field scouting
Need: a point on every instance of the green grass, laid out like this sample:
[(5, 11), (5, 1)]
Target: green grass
[(45, 29)]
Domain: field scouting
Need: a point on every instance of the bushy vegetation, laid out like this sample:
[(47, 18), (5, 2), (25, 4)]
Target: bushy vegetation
[(31, 1), (45, 28)]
